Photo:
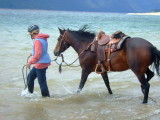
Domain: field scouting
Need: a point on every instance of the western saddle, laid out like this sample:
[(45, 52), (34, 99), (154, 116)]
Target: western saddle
[(106, 45)]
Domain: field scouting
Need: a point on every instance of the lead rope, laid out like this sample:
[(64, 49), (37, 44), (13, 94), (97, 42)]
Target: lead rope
[(25, 76), (24, 79)]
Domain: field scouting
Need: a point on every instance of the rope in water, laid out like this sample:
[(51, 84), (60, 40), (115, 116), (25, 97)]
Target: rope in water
[(26, 73)]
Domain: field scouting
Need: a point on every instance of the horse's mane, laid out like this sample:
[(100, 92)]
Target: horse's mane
[(83, 32)]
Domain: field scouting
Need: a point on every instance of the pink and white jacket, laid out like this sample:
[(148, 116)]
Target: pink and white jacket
[(38, 52)]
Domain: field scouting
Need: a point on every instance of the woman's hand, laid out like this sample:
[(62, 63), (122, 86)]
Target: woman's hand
[(28, 65), (30, 54)]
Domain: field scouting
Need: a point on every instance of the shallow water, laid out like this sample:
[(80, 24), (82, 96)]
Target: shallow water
[(94, 102)]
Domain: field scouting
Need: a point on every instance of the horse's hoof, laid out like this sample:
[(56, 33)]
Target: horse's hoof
[(144, 102), (110, 92), (79, 90)]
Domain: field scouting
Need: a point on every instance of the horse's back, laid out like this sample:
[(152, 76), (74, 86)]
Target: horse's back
[(138, 42)]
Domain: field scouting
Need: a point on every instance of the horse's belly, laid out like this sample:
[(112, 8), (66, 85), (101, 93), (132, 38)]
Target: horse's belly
[(119, 67)]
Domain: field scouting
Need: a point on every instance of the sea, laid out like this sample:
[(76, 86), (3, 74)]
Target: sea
[(94, 102)]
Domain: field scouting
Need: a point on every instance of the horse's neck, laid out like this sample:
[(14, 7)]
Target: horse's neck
[(80, 46)]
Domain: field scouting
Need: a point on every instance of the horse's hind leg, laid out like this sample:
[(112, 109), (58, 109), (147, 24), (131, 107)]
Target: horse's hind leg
[(149, 74), (106, 81), (144, 86)]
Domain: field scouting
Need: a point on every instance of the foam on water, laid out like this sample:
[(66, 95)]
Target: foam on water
[(155, 112), (26, 93)]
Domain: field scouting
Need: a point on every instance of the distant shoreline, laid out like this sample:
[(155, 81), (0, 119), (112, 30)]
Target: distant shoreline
[(58, 10), (152, 13)]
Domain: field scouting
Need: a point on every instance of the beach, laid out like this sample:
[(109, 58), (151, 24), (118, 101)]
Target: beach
[(152, 13)]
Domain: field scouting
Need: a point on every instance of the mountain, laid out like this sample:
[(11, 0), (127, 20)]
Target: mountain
[(121, 6)]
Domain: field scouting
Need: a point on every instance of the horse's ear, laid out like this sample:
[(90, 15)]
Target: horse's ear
[(60, 31)]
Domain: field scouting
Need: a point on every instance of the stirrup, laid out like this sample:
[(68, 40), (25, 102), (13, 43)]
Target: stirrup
[(101, 67)]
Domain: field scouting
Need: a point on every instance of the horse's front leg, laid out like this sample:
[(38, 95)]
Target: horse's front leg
[(84, 77), (106, 81)]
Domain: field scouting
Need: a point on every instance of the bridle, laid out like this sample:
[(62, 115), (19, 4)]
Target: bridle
[(63, 41)]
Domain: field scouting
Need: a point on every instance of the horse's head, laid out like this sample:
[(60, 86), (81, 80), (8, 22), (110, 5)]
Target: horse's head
[(62, 43)]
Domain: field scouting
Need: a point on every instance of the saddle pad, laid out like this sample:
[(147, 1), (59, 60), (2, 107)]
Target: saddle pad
[(116, 46), (119, 45)]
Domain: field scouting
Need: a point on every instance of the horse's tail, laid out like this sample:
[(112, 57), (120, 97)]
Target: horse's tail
[(156, 59)]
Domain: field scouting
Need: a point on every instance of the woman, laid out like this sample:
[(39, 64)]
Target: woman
[(40, 59)]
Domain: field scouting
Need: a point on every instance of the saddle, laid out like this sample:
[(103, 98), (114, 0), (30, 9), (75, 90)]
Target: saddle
[(104, 39), (105, 46)]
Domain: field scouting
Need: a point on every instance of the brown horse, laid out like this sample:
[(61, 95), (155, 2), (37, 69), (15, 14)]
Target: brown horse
[(136, 54)]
